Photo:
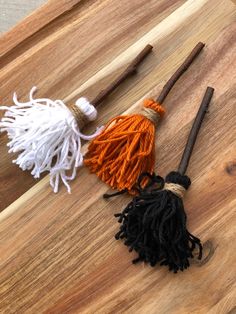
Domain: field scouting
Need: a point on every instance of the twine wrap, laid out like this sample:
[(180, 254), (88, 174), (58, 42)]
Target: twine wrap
[(175, 188), (151, 115), (152, 111), (83, 111), (79, 116)]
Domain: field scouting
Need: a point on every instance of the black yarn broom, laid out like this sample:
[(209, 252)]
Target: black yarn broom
[(154, 222)]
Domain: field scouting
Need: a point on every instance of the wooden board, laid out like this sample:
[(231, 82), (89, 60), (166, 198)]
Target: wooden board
[(58, 254)]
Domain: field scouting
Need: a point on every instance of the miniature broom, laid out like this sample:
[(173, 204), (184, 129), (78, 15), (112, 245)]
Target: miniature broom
[(126, 146), (47, 133), (154, 222)]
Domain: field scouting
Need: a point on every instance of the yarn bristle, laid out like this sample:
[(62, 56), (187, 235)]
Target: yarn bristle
[(124, 150), (154, 225)]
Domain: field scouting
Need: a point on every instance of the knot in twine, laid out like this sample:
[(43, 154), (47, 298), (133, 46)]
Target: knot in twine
[(152, 111), (83, 111), (175, 188)]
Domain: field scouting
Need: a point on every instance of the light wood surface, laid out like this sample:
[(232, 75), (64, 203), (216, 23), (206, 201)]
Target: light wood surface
[(57, 252)]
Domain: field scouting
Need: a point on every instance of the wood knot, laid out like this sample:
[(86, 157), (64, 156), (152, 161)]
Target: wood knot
[(231, 168)]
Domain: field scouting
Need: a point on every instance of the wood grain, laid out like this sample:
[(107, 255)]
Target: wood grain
[(58, 254)]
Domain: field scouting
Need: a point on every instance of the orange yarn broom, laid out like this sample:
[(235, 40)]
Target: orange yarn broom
[(126, 147)]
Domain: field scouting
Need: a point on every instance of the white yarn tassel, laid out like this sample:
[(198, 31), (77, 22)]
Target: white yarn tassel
[(47, 135)]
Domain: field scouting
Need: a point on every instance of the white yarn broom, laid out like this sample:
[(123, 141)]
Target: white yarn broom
[(46, 134)]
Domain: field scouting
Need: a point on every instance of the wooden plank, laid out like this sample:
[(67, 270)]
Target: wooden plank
[(58, 254)]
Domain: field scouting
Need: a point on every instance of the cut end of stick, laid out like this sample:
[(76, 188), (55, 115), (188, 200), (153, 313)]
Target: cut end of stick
[(180, 71), (201, 44), (197, 49)]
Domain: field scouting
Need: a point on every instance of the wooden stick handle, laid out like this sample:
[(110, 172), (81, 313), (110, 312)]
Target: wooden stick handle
[(184, 66), (195, 130), (130, 70)]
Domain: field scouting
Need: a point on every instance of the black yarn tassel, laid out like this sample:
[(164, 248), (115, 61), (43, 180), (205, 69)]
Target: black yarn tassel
[(154, 225)]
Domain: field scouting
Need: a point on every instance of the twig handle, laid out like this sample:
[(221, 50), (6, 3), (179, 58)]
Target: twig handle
[(194, 130), (130, 70), (184, 66)]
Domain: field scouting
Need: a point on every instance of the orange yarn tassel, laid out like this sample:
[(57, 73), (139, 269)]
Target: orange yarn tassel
[(125, 148)]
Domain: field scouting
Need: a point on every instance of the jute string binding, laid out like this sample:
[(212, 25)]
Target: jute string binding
[(79, 116), (151, 114), (175, 188)]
